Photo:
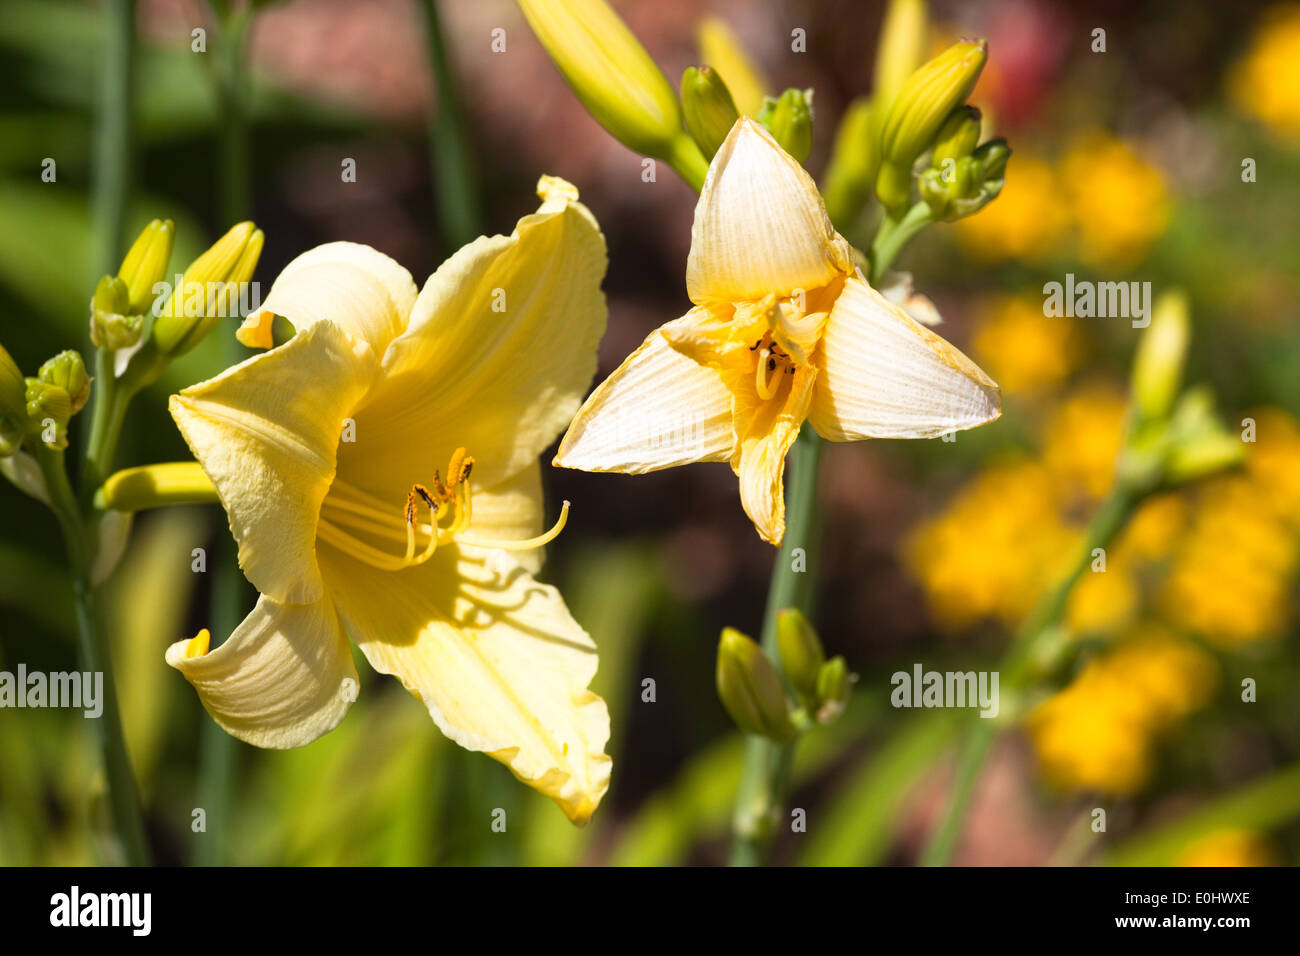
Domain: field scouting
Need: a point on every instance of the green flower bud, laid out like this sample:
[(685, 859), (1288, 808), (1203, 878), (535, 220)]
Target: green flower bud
[(922, 105), (801, 652), (957, 187), (833, 684), (851, 173), (750, 688), (13, 404), (48, 409), (1158, 366), (145, 264), (719, 47), (112, 324), (208, 290), (68, 372), (707, 108), (1199, 446), (789, 119), (957, 137), (993, 156), (902, 45), (609, 70)]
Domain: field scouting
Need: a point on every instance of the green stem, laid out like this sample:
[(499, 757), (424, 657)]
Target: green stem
[(893, 235), (688, 162), (111, 398), (454, 182), (765, 779), (113, 133), (1019, 663), (96, 659)]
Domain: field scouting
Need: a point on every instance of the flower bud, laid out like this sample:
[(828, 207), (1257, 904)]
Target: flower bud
[(750, 688), (1158, 367), (993, 156), (833, 684), (957, 187), (901, 47), (801, 652), (112, 325), (1199, 445), (609, 70), (47, 405), (925, 101), (67, 370), (957, 137), (145, 264), (851, 172), (719, 47), (707, 108), (13, 404), (207, 290), (789, 119)]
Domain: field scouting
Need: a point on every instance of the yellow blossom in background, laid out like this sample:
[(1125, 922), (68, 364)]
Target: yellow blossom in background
[(1099, 733), (1027, 222), (994, 548), (1023, 349), (1273, 461), (1118, 201), (1104, 601), (1154, 527), (1265, 82), (1228, 847), (1083, 437)]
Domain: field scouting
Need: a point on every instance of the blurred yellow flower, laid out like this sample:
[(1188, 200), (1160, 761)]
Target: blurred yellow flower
[(1104, 601), (1118, 201), (994, 548), (1025, 350), (1265, 82), (1273, 462), (1027, 222), (1228, 847), (1083, 437), (1155, 527), (1099, 733)]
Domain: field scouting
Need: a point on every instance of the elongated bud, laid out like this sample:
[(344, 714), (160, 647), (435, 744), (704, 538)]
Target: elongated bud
[(67, 370), (750, 688), (707, 108), (851, 173), (801, 652), (48, 409), (609, 70), (901, 48), (1158, 367), (145, 264), (833, 684), (719, 47), (958, 136), (789, 119), (13, 404), (924, 102), (112, 325), (1199, 446), (208, 290)]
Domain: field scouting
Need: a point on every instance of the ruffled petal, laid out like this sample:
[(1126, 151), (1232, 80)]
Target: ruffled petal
[(766, 430), (281, 679), (354, 286), (657, 410), (499, 351), (760, 225), (266, 431), (886, 376), (495, 657)]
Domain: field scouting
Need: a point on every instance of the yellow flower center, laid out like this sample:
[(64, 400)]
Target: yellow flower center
[(770, 363), (450, 510)]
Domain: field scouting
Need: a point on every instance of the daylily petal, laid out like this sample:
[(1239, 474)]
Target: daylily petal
[(278, 681), (266, 432), (500, 348), (886, 376), (354, 286), (769, 429), (511, 510), (760, 224), (495, 657), (659, 409)]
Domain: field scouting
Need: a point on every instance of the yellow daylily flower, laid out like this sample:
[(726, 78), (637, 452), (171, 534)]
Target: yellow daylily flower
[(326, 453), (784, 328)]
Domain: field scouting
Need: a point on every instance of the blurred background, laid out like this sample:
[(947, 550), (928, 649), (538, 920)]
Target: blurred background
[(1127, 165)]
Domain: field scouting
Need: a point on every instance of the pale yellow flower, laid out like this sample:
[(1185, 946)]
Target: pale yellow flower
[(784, 328), (326, 453)]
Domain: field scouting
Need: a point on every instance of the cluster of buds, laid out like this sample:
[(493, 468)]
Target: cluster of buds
[(38, 409), (1172, 438), (751, 688), (963, 177)]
